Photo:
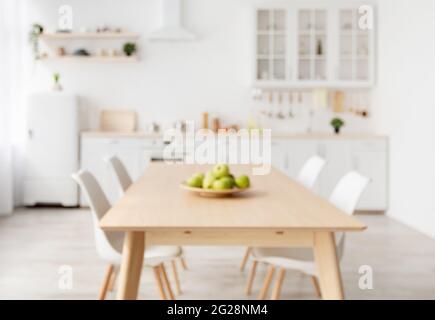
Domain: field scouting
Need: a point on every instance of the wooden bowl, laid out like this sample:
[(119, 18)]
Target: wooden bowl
[(210, 192)]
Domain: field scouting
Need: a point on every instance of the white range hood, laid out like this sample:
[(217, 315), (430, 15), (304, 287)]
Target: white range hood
[(171, 29)]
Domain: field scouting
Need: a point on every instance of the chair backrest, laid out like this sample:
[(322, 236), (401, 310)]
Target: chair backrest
[(94, 193), (345, 196), (310, 171), (105, 242), (120, 174), (348, 191)]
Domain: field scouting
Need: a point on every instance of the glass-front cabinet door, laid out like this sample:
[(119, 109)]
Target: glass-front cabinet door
[(271, 51), (312, 45), (355, 48)]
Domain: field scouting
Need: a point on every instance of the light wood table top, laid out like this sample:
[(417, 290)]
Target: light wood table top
[(156, 201)]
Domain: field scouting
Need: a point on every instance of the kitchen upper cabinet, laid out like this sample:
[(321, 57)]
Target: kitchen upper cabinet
[(356, 49), (312, 45), (272, 44), (308, 45)]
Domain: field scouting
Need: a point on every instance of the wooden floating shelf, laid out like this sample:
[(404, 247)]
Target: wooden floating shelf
[(122, 59), (88, 35)]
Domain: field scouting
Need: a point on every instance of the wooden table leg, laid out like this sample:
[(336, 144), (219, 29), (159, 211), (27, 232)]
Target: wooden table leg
[(328, 266), (131, 265)]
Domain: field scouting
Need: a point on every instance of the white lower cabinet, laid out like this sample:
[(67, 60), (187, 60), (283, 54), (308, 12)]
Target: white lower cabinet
[(369, 157), (337, 156), (134, 153), (280, 158)]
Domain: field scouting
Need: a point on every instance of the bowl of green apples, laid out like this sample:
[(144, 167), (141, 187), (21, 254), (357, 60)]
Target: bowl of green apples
[(218, 182)]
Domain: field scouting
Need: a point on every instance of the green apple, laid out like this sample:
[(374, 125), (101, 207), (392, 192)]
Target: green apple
[(199, 176), (222, 184), (242, 182), (209, 178), (221, 170), (229, 180), (196, 180)]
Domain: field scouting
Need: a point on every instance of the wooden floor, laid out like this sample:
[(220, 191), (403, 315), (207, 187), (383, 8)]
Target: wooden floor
[(36, 243)]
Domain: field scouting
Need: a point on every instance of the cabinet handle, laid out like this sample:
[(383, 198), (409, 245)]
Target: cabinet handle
[(113, 142), (30, 134)]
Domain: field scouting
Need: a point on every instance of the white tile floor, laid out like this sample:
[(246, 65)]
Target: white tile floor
[(35, 243)]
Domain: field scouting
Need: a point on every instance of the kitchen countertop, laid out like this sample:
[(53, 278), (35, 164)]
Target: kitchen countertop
[(275, 135)]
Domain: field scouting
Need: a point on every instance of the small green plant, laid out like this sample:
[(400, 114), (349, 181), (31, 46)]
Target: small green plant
[(34, 34), (129, 48), (337, 123), (56, 77)]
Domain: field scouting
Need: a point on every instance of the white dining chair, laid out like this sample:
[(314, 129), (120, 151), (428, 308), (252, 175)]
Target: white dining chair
[(109, 244), (123, 181), (345, 196), (307, 176), (120, 174)]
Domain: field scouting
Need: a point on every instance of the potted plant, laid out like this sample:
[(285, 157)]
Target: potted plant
[(56, 85), (129, 48), (337, 123), (34, 34)]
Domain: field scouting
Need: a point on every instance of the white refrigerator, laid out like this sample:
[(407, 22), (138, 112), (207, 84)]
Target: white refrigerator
[(52, 149)]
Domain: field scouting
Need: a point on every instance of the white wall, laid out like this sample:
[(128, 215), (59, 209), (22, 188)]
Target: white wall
[(405, 107), (173, 80)]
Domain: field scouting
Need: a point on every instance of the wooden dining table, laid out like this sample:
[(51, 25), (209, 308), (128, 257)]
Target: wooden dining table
[(275, 212)]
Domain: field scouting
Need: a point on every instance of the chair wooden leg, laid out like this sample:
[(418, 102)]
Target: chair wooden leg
[(266, 283), (157, 275), (112, 280), (166, 282), (183, 263), (245, 258), (105, 285), (316, 286), (175, 273), (278, 284), (251, 277)]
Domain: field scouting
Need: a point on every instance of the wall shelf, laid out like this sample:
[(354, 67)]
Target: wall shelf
[(88, 35), (117, 59)]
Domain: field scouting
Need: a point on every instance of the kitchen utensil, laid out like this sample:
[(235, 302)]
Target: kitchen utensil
[(180, 125), (216, 124), (338, 102)]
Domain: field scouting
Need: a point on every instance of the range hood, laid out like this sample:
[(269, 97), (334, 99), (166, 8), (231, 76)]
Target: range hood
[(171, 29)]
